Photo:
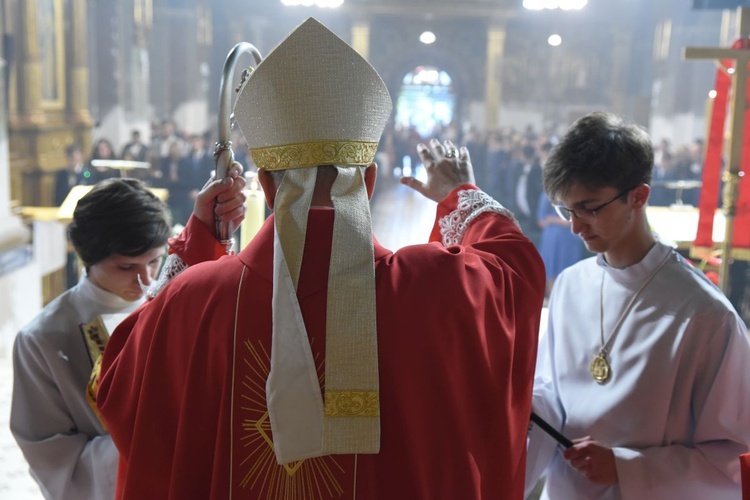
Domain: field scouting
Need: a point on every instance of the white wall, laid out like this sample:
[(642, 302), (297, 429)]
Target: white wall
[(20, 301), (519, 118), (117, 127), (192, 117)]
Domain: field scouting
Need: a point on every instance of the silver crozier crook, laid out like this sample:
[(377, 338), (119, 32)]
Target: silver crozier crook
[(223, 154)]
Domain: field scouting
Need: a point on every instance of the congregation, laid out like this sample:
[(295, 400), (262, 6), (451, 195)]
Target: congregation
[(508, 164), (173, 159)]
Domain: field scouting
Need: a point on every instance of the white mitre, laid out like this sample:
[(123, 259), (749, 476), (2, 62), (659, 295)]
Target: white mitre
[(315, 101)]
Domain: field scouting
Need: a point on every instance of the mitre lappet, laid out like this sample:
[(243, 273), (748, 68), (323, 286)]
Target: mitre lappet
[(315, 101)]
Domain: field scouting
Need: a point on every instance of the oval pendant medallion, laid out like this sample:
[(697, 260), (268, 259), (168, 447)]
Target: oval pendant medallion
[(599, 369)]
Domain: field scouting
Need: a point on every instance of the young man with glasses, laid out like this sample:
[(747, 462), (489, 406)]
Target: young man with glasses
[(645, 363)]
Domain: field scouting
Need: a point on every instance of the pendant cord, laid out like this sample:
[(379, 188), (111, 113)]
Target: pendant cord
[(605, 346)]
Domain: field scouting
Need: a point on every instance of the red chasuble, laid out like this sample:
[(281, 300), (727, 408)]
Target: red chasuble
[(183, 384)]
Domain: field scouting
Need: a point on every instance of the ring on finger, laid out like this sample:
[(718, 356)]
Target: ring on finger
[(451, 153)]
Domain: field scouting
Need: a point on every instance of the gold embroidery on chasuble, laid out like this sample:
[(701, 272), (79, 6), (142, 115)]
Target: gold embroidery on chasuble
[(259, 472)]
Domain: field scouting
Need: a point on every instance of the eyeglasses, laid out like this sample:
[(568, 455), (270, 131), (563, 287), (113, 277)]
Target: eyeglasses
[(587, 213)]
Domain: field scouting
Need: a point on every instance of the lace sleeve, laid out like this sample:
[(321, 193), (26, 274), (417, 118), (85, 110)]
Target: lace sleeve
[(173, 266), (471, 203)]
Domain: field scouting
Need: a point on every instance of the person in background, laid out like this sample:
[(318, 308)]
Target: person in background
[(102, 150), (688, 166), (74, 173), (172, 167), (644, 365), (135, 150), (661, 196), (194, 168), (527, 188), (558, 246), (168, 137)]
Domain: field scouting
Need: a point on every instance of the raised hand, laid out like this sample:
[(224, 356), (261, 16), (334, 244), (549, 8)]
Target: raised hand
[(447, 168)]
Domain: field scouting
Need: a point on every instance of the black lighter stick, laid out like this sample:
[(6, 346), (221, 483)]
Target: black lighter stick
[(567, 443)]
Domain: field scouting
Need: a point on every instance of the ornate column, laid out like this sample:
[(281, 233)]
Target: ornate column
[(31, 68), (37, 126), (41, 124), (78, 104), (493, 86)]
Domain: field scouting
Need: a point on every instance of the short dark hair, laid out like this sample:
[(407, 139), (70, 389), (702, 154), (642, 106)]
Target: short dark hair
[(118, 216), (599, 150)]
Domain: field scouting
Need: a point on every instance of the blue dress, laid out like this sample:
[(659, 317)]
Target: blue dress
[(558, 246)]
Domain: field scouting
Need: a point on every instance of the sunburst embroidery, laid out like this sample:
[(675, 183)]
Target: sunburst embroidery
[(312, 478)]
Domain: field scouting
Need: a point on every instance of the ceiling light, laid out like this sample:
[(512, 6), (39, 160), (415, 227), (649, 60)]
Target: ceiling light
[(427, 37)]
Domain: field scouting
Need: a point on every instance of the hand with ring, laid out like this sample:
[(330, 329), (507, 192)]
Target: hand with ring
[(447, 168)]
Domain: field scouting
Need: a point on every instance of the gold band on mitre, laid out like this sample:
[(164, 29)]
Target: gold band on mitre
[(314, 153)]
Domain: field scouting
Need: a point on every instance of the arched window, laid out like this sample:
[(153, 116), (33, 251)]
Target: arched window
[(426, 100)]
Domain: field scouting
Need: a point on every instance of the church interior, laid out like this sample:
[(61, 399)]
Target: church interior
[(130, 88)]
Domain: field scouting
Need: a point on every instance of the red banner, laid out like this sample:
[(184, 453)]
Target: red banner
[(713, 165)]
